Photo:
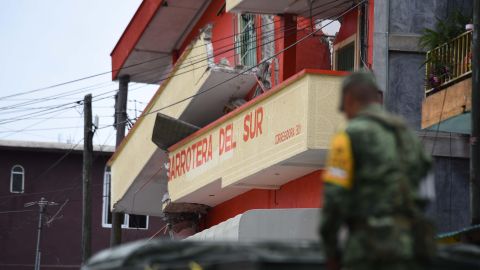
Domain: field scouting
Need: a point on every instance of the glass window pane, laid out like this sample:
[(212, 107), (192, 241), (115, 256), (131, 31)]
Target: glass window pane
[(17, 182), (109, 213), (137, 221), (346, 58), (247, 39)]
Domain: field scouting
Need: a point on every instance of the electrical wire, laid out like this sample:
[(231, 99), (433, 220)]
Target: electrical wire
[(145, 73), (221, 53), (47, 109), (137, 64), (43, 129), (15, 211), (250, 68), (213, 87)]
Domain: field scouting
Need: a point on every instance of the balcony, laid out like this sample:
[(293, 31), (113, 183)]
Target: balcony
[(448, 89), (138, 174), (279, 136)]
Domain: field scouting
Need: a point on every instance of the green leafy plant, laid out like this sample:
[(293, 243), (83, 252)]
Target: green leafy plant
[(439, 66), (445, 30)]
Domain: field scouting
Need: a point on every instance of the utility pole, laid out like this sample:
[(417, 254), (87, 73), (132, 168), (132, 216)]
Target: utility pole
[(42, 206), (475, 136), (120, 123), (87, 178)]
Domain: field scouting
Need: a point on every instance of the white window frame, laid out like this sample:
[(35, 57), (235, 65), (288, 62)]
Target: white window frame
[(105, 203), (23, 178), (251, 49)]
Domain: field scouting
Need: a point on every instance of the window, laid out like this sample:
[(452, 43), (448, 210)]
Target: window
[(246, 40), (17, 179), (346, 58), (346, 54), (129, 221)]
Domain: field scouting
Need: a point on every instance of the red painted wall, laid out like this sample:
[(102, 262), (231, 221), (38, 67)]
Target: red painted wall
[(312, 53), (304, 192), (222, 32), (348, 26)]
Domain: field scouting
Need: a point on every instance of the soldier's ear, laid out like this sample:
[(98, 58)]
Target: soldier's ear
[(380, 96)]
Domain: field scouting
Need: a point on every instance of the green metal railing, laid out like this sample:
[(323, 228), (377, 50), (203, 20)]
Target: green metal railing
[(449, 63)]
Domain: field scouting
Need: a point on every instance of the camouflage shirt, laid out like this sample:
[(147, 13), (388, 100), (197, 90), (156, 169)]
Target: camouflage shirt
[(373, 169)]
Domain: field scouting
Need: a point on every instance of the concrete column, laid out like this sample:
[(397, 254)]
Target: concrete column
[(380, 41)]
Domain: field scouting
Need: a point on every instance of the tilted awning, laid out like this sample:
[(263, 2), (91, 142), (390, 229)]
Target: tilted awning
[(320, 9), (168, 131), (156, 31), (299, 224)]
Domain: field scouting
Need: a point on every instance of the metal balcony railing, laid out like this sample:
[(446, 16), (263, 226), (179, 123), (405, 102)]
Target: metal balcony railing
[(449, 63)]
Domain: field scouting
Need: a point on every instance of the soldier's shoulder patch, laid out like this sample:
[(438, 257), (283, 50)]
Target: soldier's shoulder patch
[(339, 169)]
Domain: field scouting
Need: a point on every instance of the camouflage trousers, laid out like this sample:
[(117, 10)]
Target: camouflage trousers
[(402, 265)]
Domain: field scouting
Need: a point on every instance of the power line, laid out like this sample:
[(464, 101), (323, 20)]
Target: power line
[(60, 95), (213, 87), (250, 68), (137, 64), (23, 117), (25, 128), (15, 211), (144, 73), (48, 110), (161, 79), (42, 129)]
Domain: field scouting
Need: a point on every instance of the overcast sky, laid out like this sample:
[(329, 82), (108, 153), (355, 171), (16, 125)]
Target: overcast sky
[(52, 41)]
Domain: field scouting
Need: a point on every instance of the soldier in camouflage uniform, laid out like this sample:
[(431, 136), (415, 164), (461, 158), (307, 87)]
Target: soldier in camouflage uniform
[(374, 169)]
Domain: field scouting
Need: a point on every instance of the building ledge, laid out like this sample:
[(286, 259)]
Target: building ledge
[(138, 172)]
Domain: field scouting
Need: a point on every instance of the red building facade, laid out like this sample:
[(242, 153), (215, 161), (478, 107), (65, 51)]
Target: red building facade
[(280, 47)]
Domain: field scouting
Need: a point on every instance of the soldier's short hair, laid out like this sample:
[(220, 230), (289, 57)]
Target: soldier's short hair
[(362, 84)]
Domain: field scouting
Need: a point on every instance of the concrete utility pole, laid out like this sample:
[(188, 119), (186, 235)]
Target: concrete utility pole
[(475, 137), (120, 123), (87, 178), (42, 206)]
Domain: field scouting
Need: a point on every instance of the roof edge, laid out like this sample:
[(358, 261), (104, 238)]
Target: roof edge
[(142, 8), (53, 146)]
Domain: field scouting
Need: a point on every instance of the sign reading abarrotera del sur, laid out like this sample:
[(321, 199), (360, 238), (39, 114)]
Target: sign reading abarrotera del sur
[(240, 146), (201, 151)]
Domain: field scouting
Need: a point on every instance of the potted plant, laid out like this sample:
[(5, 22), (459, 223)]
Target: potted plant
[(438, 64)]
